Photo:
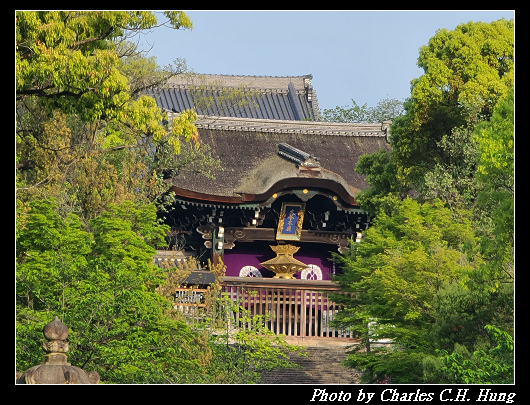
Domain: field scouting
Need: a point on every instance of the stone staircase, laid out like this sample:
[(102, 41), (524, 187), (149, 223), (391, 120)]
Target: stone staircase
[(321, 366)]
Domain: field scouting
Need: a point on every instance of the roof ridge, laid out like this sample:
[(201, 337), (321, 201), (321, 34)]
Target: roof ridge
[(290, 126), (250, 81), (310, 76), (252, 121)]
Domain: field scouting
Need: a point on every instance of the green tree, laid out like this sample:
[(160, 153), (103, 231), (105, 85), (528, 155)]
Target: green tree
[(434, 152), (86, 133), (453, 150), (467, 71), (51, 250), (487, 364), (385, 110), (103, 286), (462, 310), (480, 296), (496, 146), (452, 179), (381, 174), (392, 277), (68, 59), (475, 321)]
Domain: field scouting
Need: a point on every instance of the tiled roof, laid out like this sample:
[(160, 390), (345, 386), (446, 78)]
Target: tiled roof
[(264, 97), (261, 144)]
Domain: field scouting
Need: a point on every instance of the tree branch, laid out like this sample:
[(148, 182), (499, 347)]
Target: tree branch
[(114, 148), (43, 93), (98, 38)]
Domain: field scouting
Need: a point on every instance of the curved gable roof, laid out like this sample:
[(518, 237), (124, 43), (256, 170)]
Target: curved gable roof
[(253, 169), (274, 110)]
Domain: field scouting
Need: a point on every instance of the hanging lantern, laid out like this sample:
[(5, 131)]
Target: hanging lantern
[(284, 264)]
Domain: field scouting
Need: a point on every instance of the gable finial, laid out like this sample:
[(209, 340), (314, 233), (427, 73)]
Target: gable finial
[(298, 156)]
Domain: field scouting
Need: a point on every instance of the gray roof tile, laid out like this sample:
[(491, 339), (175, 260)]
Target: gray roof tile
[(267, 97)]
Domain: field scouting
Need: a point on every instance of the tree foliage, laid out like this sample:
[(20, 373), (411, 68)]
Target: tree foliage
[(495, 172), (102, 285), (485, 365), (445, 299), (385, 110), (381, 174), (452, 179), (418, 279), (119, 305), (405, 258), (87, 135), (68, 58), (466, 72)]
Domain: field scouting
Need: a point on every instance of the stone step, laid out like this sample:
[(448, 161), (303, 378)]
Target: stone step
[(321, 366)]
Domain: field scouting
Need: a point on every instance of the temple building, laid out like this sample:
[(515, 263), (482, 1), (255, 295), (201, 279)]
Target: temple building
[(283, 199)]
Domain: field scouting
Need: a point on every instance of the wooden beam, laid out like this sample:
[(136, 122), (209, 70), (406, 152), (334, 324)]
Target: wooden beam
[(324, 285), (249, 234)]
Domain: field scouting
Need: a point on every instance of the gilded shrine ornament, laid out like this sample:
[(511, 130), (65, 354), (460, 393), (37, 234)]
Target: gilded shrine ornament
[(284, 264)]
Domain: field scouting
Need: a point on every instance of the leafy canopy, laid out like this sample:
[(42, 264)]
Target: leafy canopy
[(466, 72), (393, 275), (68, 58), (87, 135), (385, 110), (445, 299), (407, 255), (495, 173), (103, 284), (69, 61)]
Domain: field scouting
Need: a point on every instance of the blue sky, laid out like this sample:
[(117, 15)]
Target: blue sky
[(366, 56)]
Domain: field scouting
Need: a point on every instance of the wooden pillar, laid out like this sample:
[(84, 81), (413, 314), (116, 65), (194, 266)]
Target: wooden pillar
[(217, 244)]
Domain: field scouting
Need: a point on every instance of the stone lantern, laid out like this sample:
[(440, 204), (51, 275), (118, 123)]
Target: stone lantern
[(54, 369)]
